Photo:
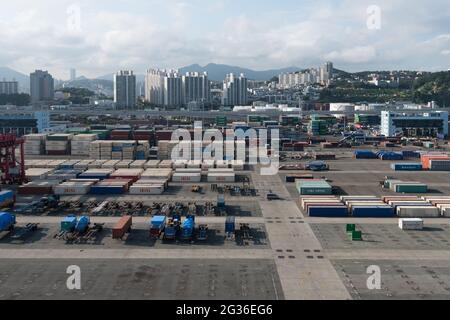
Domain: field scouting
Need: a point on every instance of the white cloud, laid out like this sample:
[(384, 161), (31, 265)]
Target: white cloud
[(141, 34)]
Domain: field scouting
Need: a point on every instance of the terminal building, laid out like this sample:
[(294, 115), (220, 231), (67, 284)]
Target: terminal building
[(429, 124), (24, 123)]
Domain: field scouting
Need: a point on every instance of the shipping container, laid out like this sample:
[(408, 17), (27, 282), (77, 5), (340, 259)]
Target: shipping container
[(440, 165), (7, 198), (7, 221), (313, 187), (410, 188), (365, 154), (406, 166), (122, 227), (410, 224), (382, 211), (147, 189), (68, 223), (328, 212), (187, 177), (418, 212)]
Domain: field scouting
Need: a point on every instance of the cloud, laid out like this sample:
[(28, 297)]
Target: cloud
[(353, 55), (139, 34)]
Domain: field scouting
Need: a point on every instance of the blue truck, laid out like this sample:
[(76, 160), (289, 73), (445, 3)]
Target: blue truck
[(173, 226), (157, 226), (187, 230), (7, 221)]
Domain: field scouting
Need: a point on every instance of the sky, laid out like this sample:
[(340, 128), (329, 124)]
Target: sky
[(104, 36)]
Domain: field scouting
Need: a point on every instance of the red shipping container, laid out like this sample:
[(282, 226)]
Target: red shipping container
[(122, 227)]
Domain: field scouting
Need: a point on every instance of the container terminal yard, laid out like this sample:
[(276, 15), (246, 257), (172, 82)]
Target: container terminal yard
[(141, 226)]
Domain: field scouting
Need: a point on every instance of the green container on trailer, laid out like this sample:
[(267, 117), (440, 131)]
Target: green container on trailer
[(309, 188), (411, 188), (355, 235), (351, 228)]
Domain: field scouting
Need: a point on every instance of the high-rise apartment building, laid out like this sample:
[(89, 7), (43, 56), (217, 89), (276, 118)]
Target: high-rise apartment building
[(9, 87), (322, 75), (196, 88), (170, 89), (125, 89), (41, 86), (235, 90), (73, 74)]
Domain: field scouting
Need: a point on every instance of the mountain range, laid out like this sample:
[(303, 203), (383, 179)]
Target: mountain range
[(9, 74), (218, 72)]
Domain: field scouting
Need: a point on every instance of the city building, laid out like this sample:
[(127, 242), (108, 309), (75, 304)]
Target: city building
[(235, 90), (196, 88), (154, 86), (169, 88), (24, 123), (322, 75), (73, 74), (429, 124), (9, 87), (173, 87), (41, 86), (125, 89)]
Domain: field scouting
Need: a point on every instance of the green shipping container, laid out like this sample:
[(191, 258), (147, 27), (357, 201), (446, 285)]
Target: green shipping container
[(310, 188), (411, 188), (355, 235)]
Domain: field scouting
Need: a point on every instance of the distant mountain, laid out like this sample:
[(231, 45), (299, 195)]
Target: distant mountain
[(10, 74), (218, 72)]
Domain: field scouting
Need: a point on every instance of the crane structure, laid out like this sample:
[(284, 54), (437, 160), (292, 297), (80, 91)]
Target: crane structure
[(12, 169)]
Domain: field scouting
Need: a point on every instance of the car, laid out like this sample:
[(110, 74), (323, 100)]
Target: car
[(273, 196)]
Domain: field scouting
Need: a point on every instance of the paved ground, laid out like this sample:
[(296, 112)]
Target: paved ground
[(141, 279), (400, 280), (291, 256), (303, 270), (384, 236)]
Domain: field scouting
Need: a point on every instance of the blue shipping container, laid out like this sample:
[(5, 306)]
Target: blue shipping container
[(373, 212), (385, 155), (410, 154), (96, 176), (328, 212), (406, 166), (365, 154), (6, 196), (83, 224), (158, 221), (105, 190), (7, 220)]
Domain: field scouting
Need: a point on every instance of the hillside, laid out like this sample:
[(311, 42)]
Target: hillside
[(10, 74)]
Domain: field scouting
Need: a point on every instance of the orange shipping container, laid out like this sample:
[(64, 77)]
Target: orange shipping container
[(122, 227)]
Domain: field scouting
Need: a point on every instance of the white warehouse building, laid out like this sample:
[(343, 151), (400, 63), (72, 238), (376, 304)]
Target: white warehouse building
[(429, 124)]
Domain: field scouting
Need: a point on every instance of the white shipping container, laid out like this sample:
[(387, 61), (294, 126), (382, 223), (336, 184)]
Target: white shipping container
[(418, 212), (410, 224), (152, 164), (187, 177), (221, 177), (150, 189), (73, 188)]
